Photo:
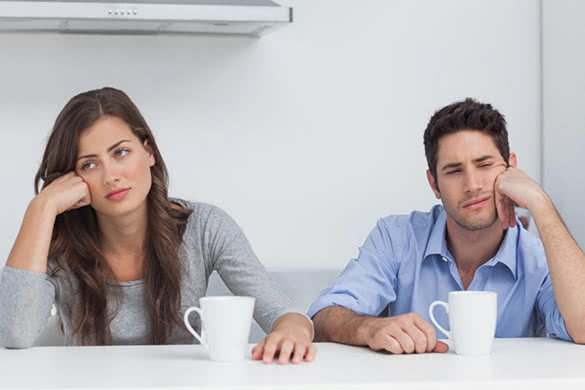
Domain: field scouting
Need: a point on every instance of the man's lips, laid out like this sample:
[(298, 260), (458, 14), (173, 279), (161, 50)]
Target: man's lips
[(476, 203), (117, 194)]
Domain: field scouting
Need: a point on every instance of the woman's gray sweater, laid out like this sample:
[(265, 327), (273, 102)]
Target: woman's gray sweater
[(211, 241)]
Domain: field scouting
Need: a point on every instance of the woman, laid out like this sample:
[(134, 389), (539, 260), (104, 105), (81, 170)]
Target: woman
[(121, 260)]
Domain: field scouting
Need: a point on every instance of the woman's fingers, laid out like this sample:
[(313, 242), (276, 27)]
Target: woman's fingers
[(286, 349), (311, 352), (300, 350), (258, 350), (270, 348)]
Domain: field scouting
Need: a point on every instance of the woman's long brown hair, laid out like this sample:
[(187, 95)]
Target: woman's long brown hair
[(76, 245)]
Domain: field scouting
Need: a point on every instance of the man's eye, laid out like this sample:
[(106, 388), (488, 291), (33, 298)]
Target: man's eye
[(455, 171), (485, 165), (121, 152)]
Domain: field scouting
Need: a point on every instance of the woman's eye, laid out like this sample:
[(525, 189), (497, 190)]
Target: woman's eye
[(87, 166), (121, 152)]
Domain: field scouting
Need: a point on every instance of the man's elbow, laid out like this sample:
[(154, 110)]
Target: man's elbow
[(579, 338), (578, 333)]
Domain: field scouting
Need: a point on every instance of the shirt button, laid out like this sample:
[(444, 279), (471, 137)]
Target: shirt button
[(444, 259)]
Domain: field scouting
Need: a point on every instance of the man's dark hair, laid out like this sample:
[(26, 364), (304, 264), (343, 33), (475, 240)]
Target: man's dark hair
[(468, 114)]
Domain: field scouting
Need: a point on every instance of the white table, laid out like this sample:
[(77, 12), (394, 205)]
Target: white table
[(532, 363)]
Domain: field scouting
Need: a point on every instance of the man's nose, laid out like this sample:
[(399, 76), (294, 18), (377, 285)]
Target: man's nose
[(472, 181)]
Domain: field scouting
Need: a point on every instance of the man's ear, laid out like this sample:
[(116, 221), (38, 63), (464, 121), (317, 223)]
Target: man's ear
[(151, 159), (513, 160), (433, 184)]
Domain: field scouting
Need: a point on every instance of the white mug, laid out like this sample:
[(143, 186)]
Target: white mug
[(472, 320), (225, 326)]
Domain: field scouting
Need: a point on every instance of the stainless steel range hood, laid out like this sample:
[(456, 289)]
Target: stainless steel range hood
[(241, 17)]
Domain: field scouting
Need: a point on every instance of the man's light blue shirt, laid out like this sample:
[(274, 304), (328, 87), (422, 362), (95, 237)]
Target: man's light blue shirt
[(405, 263)]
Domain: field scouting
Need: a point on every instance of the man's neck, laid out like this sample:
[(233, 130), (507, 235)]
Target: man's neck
[(471, 249)]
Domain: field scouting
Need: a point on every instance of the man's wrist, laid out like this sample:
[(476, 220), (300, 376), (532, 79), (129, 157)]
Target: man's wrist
[(363, 329), (539, 203)]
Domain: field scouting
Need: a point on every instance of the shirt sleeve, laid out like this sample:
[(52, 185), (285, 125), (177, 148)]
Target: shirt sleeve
[(232, 257), (549, 311), (367, 284), (26, 298)]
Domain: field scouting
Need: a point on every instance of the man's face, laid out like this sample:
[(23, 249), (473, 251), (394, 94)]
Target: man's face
[(468, 163)]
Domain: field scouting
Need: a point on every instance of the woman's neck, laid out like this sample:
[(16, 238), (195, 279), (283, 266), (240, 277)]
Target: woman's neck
[(124, 236)]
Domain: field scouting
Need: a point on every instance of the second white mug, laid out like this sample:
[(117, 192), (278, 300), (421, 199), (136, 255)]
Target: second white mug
[(226, 322), (472, 320)]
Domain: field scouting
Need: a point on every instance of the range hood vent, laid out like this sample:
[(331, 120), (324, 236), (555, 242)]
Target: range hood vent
[(239, 17)]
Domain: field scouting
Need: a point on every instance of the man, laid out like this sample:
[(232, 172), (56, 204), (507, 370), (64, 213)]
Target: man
[(471, 242)]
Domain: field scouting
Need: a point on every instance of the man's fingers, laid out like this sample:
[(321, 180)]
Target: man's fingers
[(441, 347), (502, 209), (418, 337), (406, 343), (429, 331), (512, 213), (392, 345)]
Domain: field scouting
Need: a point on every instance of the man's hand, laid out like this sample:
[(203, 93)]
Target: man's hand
[(515, 186), (290, 338), (406, 333)]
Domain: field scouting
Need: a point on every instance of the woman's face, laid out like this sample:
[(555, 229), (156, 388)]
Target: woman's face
[(115, 165)]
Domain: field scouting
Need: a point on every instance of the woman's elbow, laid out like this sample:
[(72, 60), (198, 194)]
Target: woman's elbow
[(16, 340)]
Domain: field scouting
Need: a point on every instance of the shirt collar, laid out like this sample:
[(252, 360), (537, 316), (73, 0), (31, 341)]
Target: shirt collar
[(507, 251), (437, 245)]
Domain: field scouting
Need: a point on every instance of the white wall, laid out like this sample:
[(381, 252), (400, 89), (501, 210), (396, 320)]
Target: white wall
[(307, 135), (564, 112)]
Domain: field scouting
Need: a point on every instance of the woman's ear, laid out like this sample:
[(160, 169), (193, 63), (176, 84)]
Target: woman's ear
[(151, 159), (513, 160)]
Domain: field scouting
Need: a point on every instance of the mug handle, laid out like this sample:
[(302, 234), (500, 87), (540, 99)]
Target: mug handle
[(188, 325), (446, 306)]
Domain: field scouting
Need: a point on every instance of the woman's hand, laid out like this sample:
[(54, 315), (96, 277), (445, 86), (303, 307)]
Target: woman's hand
[(65, 193), (291, 338)]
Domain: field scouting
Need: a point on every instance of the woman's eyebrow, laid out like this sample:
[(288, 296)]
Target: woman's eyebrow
[(109, 149)]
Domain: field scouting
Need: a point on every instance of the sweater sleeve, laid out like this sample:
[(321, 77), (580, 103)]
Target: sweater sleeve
[(26, 298), (230, 254)]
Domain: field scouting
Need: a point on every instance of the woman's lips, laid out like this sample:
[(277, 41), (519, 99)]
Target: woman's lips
[(118, 195)]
